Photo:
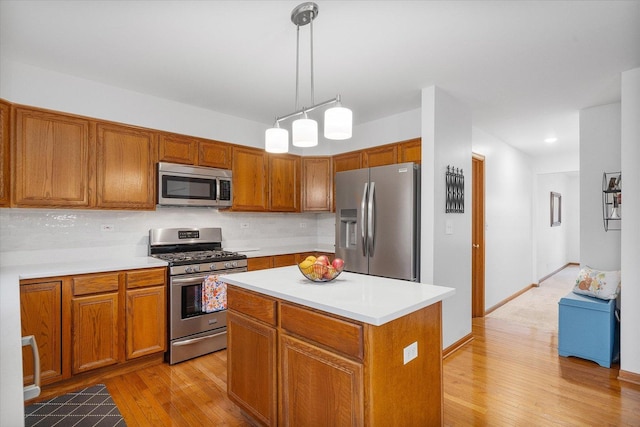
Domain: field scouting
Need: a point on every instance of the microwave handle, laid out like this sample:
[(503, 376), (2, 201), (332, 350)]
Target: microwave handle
[(218, 189)]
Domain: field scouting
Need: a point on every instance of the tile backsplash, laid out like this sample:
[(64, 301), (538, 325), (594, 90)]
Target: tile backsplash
[(28, 235)]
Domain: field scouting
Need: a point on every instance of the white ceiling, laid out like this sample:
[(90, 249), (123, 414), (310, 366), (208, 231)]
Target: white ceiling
[(524, 68)]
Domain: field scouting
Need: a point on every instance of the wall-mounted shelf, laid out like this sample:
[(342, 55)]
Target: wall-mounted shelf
[(612, 200)]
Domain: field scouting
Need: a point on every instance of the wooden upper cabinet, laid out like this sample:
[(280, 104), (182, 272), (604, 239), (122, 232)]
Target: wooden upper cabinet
[(284, 183), (249, 179), (347, 161), (5, 119), (316, 184), (410, 151), (214, 154), (188, 150), (177, 149), (54, 161), (125, 167), (380, 156)]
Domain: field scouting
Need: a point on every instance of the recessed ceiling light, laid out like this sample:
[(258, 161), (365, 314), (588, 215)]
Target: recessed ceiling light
[(551, 140)]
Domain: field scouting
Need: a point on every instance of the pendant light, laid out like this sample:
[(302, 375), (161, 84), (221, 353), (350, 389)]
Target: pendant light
[(304, 131)]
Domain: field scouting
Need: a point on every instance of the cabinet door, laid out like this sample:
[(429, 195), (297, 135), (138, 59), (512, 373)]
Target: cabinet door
[(125, 176), (319, 387), (317, 184), (53, 163), (347, 161), (5, 113), (259, 263), (95, 341), (41, 316), (214, 154), (410, 151), (146, 331), (249, 179), (177, 149), (380, 156), (251, 367), (284, 260), (284, 183)]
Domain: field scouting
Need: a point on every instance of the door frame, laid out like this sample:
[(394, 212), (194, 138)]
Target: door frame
[(477, 237)]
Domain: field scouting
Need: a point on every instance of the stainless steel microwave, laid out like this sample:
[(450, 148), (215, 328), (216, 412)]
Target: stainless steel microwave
[(185, 185)]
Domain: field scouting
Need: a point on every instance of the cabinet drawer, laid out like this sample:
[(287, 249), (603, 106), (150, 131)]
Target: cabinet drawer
[(95, 283), (252, 304), (148, 277), (338, 334)]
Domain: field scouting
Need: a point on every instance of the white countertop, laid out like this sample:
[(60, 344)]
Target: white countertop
[(11, 397), (370, 299)]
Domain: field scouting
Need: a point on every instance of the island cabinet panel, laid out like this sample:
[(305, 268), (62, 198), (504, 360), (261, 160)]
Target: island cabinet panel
[(249, 179), (337, 334), (284, 183), (95, 338), (380, 156), (53, 160), (5, 153), (214, 154), (317, 184), (41, 316), (177, 149), (125, 173), (410, 151), (405, 394), (252, 304), (319, 387)]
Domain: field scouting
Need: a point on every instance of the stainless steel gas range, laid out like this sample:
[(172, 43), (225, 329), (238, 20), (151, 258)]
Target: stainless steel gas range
[(197, 306)]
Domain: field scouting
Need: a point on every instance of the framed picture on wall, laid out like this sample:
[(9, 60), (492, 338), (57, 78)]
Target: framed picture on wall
[(556, 209)]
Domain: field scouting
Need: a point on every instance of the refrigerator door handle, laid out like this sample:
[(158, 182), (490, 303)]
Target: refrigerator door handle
[(363, 224), (371, 218)]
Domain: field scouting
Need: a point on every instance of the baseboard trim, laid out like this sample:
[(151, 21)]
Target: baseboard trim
[(456, 346), (629, 377), (542, 279), (512, 297)]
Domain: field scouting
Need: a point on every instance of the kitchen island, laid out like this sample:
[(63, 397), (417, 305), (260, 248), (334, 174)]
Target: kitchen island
[(361, 350)]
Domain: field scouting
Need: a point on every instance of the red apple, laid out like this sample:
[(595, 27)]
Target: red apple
[(338, 264), (330, 273), (323, 259)]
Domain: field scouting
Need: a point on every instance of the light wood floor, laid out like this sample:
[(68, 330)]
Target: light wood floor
[(508, 375)]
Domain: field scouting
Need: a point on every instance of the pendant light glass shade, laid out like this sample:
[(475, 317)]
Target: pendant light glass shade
[(338, 123), (304, 133), (276, 140)]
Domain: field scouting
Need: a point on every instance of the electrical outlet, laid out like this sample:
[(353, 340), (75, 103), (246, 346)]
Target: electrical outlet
[(303, 225), (107, 227), (410, 352), (244, 225)]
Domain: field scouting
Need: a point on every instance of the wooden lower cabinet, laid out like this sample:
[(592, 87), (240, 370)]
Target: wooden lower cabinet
[(319, 387), (332, 370), (41, 316), (259, 263), (251, 373), (95, 337), (91, 321)]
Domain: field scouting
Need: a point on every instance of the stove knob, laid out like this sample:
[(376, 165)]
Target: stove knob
[(227, 265), (196, 268), (212, 267), (235, 263), (188, 269)]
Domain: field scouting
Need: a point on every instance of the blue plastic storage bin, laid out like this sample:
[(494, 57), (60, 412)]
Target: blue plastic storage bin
[(587, 328)]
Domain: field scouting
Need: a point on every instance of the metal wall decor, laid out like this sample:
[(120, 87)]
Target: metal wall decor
[(455, 190)]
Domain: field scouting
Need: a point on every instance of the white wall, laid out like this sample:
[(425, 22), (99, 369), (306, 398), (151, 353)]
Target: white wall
[(630, 244), (555, 244), (508, 217), (446, 258), (599, 153)]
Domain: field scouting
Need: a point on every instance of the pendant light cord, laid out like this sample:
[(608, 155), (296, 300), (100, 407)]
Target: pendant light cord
[(297, 62), (312, 82)]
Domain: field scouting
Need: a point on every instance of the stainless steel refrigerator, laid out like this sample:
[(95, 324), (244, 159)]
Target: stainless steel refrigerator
[(378, 220)]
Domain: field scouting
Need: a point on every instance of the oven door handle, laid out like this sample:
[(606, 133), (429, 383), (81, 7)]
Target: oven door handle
[(197, 340), (192, 280)]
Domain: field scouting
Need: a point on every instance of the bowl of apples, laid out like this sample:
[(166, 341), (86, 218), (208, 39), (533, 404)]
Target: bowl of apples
[(320, 269)]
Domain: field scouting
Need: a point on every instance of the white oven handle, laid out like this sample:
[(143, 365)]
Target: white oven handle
[(194, 280), (197, 340)]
